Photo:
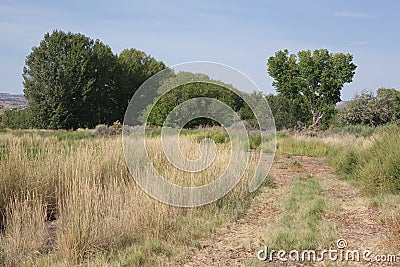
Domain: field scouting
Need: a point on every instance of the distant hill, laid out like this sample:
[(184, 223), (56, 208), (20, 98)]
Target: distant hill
[(8, 101), (341, 104)]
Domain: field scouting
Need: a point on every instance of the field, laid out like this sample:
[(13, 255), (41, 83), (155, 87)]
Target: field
[(67, 198)]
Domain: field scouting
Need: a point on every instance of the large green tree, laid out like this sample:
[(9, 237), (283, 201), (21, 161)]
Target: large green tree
[(288, 113), (315, 77), (69, 81), (135, 68), (72, 81), (191, 89)]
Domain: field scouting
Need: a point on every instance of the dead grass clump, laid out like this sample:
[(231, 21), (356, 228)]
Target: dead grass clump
[(25, 232)]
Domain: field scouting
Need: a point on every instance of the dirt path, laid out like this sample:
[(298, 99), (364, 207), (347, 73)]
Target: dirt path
[(238, 243)]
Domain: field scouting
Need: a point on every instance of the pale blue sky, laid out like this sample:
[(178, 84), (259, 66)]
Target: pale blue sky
[(242, 34)]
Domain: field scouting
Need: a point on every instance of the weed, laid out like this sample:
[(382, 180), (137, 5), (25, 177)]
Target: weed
[(293, 165)]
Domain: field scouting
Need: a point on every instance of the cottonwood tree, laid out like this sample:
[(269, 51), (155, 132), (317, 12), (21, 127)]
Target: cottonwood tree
[(72, 81), (316, 77), (135, 68), (288, 113), (69, 81), (190, 88)]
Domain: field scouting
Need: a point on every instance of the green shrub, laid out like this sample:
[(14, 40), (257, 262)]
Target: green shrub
[(102, 129), (380, 172), (375, 169), (218, 136), (346, 162), (18, 118), (255, 140)]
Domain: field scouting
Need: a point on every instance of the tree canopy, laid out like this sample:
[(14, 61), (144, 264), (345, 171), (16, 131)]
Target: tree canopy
[(315, 77), (72, 81), (288, 113), (191, 89)]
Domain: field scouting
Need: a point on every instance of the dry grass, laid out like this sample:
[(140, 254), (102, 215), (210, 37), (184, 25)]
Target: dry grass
[(25, 230), (102, 216), (340, 139)]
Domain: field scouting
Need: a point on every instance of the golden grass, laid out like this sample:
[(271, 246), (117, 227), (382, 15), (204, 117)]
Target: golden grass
[(25, 230), (341, 139), (99, 210)]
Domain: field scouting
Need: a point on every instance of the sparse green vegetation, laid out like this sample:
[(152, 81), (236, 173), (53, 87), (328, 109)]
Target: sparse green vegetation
[(299, 147), (375, 168), (293, 164), (300, 227)]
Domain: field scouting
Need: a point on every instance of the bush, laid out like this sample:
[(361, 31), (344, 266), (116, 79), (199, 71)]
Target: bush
[(375, 169), (255, 140), (346, 162), (367, 109), (22, 118), (102, 129), (380, 172), (218, 136)]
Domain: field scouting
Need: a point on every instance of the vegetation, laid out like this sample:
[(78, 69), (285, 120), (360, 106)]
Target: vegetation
[(315, 78), (374, 168), (67, 197), (289, 113), (300, 147), (77, 192), (300, 225), (72, 81), (189, 90), (12, 118), (366, 109)]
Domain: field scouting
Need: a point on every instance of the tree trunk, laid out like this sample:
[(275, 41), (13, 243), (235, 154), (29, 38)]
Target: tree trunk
[(316, 118)]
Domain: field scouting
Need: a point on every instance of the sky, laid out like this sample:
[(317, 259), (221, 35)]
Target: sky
[(241, 34)]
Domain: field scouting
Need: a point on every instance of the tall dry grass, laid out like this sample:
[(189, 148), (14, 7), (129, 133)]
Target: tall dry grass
[(86, 188), (25, 232)]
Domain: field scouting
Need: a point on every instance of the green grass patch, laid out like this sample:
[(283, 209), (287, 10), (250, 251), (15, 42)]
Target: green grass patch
[(297, 147), (376, 169), (61, 135), (299, 227)]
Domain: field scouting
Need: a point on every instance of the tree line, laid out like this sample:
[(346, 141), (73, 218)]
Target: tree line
[(72, 81)]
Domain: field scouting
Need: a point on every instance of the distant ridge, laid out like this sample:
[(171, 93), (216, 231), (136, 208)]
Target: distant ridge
[(341, 104), (9, 101)]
